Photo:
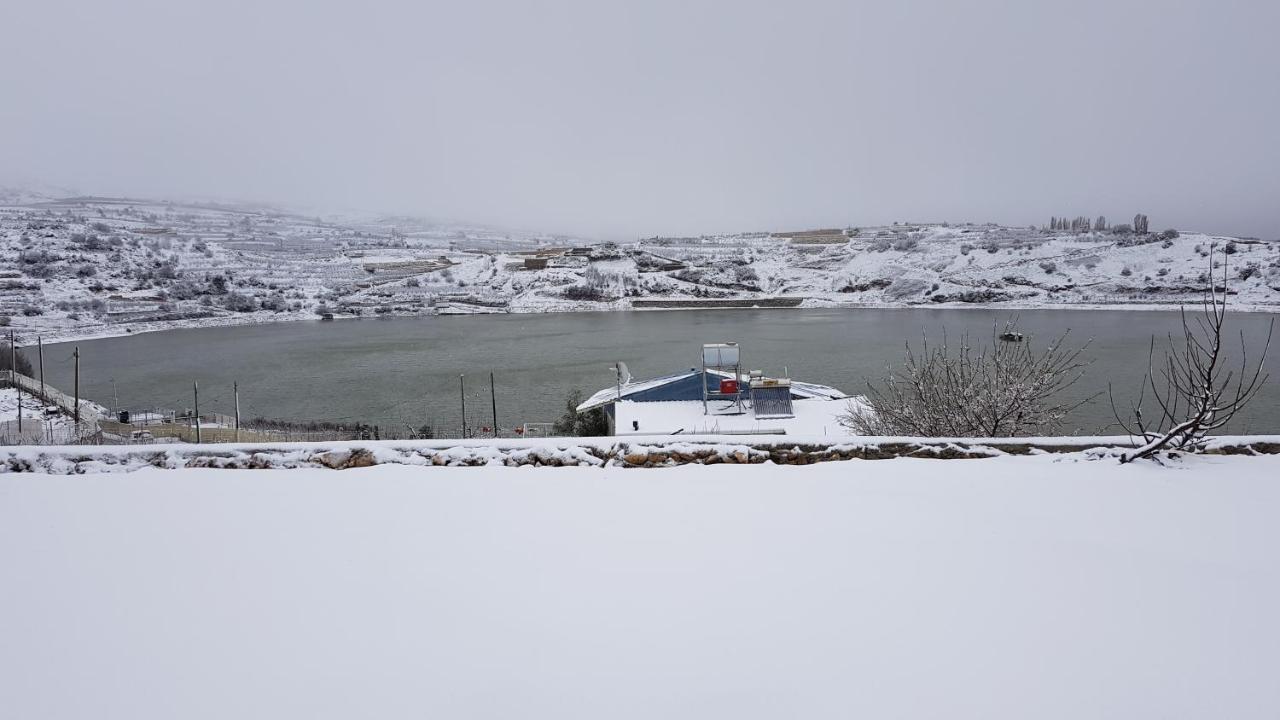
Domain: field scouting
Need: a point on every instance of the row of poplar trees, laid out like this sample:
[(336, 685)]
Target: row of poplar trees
[(1084, 224)]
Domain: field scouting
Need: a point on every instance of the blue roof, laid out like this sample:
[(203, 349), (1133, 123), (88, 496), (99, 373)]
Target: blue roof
[(688, 386)]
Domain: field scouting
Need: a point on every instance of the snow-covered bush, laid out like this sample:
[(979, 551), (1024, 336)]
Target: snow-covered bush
[(906, 289), (906, 244), (238, 302), (274, 303), (23, 365), (592, 423), (1004, 390)]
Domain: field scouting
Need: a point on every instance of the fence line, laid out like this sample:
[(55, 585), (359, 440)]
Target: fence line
[(160, 425), (36, 431)]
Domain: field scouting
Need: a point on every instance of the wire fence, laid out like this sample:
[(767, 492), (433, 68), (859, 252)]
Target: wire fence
[(55, 422)]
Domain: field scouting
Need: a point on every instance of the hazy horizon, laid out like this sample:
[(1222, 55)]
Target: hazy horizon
[(611, 121)]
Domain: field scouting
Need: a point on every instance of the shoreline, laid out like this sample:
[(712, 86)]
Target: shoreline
[(26, 336)]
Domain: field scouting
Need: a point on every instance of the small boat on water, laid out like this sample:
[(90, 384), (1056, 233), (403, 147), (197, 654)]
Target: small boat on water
[(1011, 336)]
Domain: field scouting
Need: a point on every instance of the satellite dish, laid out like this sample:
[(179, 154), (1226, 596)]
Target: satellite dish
[(624, 374)]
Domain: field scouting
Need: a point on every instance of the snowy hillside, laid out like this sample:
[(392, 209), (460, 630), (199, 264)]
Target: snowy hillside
[(1050, 587), (95, 266)]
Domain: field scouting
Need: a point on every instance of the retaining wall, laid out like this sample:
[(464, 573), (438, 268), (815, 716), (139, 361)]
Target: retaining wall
[(582, 452)]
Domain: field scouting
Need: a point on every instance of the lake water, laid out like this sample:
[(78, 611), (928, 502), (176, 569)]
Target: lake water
[(404, 371)]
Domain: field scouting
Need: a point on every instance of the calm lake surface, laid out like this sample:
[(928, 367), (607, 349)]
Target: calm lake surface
[(403, 372)]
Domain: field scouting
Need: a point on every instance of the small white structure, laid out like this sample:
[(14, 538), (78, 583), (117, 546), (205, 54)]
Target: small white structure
[(810, 418), (720, 399)]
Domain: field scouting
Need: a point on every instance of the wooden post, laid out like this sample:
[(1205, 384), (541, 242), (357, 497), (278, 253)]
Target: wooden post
[(462, 392), (235, 388), (13, 375), (493, 397), (40, 344), (195, 388), (76, 355)]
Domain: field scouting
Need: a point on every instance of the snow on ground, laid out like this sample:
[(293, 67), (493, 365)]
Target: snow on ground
[(37, 426), (1042, 586), (31, 408)]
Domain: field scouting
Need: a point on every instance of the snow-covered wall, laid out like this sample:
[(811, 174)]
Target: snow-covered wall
[(568, 452)]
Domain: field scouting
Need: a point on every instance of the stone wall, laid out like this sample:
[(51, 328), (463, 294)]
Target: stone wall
[(586, 452)]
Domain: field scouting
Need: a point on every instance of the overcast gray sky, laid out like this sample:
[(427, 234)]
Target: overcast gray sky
[(624, 119)]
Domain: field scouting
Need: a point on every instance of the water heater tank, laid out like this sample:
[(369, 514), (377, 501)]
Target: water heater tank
[(720, 354)]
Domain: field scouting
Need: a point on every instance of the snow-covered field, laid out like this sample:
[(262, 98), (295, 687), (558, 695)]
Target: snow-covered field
[(37, 425), (89, 267), (9, 405), (1046, 586)]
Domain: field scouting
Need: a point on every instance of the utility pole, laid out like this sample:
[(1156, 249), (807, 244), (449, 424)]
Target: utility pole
[(462, 392), (76, 355), (235, 388), (494, 397), (115, 399), (40, 344), (13, 375), (195, 389)]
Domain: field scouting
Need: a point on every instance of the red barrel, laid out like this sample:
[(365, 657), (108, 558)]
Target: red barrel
[(728, 387)]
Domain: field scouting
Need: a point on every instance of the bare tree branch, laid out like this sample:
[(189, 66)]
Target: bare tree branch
[(1002, 390), (1196, 392)]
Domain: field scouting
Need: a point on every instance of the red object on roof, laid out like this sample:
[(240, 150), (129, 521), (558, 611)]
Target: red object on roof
[(728, 387)]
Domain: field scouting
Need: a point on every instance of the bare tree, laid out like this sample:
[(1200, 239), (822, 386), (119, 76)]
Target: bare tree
[(1005, 390), (1193, 388)]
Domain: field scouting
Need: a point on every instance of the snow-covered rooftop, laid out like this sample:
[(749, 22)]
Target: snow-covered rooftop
[(812, 418), (610, 394)]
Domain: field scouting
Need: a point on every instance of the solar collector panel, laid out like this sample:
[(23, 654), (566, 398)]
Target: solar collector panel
[(771, 402)]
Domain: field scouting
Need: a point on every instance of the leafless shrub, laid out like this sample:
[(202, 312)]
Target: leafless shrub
[(1004, 390), (906, 289), (906, 244), (595, 286), (1193, 388)]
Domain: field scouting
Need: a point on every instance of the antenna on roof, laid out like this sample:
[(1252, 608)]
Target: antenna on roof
[(624, 373)]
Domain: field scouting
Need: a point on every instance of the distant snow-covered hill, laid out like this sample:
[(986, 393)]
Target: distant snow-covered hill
[(93, 266)]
